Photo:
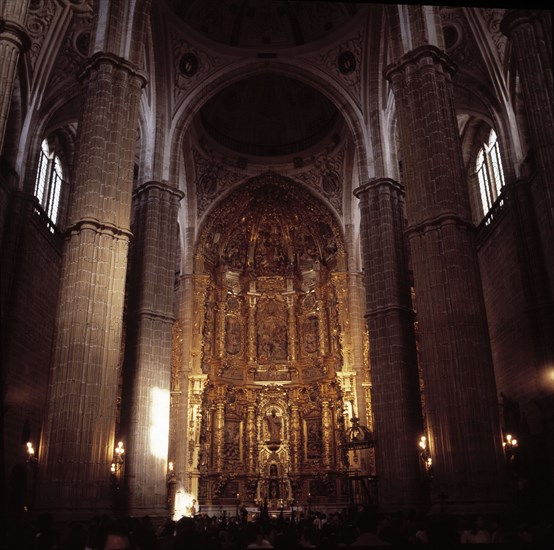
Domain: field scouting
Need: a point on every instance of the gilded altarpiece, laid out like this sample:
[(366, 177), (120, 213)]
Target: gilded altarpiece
[(272, 428)]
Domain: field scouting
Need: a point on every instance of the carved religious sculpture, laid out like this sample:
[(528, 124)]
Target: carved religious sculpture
[(273, 423)]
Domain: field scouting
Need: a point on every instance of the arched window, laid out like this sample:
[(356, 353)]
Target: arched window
[(48, 185), (489, 172)]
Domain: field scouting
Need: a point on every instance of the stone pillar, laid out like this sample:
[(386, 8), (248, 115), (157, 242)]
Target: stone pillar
[(14, 40), (147, 370), (395, 385), (460, 393), (78, 434), (530, 33)]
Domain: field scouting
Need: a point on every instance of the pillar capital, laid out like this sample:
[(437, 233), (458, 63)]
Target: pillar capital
[(374, 183), (14, 32), (163, 186), (419, 58), (102, 58), (514, 18)]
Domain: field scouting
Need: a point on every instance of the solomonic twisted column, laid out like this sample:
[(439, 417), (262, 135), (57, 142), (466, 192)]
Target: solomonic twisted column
[(460, 394)]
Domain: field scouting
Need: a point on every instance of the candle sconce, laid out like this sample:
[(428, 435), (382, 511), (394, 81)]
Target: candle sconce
[(117, 465), (425, 456)]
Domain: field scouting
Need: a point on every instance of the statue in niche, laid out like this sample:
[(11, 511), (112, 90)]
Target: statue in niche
[(314, 440), (231, 442), (311, 334), (232, 335), (274, 489), (273, 423), (272, 341)]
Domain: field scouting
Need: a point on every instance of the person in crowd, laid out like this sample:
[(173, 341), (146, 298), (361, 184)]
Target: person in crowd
[(366, 526), (116, 536)]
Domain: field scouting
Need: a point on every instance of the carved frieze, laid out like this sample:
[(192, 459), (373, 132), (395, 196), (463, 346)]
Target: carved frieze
[(39, 19)]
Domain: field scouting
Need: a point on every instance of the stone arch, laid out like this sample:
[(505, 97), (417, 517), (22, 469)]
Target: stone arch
[(216, 247), (347, 106)]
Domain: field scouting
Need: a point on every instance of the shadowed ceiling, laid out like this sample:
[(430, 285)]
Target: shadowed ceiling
[(267, 115), (263, 24)]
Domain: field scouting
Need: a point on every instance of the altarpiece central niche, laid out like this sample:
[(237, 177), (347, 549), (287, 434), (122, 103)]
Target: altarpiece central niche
[(270, 267)]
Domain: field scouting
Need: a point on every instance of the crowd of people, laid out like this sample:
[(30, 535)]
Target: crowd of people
[(365, 528)]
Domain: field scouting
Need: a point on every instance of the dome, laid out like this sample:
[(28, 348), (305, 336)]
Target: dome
[(268, 115)]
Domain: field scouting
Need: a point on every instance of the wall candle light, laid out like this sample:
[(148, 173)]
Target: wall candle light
[(425, 455), (30, 450), (119, 458)]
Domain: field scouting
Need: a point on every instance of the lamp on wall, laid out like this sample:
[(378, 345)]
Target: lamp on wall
[(425, 455), (30, 452), (119, 458), (510, 445)]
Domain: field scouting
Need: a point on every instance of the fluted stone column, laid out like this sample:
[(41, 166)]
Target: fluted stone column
[(147, 370), (460, 394), (14, 40), (394, 376), (78, 434), (530, 33)]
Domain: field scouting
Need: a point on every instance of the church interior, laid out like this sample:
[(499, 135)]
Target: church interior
[(275, 255)]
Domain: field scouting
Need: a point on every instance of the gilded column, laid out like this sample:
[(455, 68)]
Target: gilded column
[(251, 438), (455, 351), (327, 433), (291, 326), (340, 283), (389, 315), (219, 435), (220, 322), (322, 321), (252, 299), (295, 438)]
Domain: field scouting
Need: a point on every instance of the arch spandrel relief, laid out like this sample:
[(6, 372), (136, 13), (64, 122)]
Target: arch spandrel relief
[(267, 330)]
